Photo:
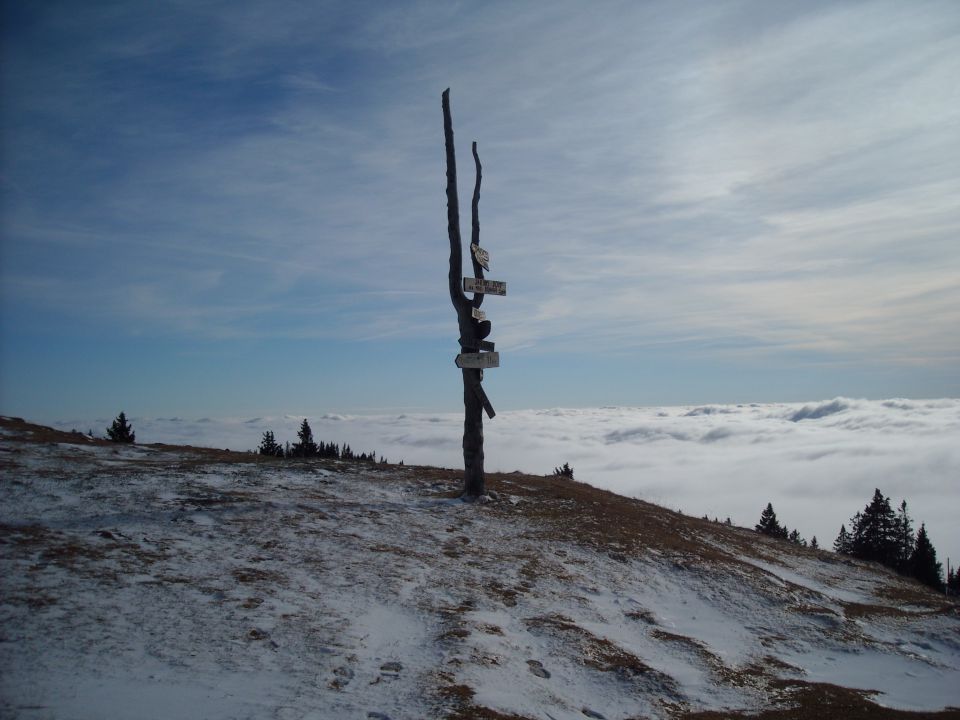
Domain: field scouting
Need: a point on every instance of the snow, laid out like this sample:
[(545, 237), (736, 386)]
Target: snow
[(142, 582)]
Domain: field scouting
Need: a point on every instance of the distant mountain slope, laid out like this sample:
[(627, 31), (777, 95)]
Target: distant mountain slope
[(159, 581)]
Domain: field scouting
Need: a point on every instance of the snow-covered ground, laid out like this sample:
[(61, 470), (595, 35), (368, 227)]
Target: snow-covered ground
[(159, 582)]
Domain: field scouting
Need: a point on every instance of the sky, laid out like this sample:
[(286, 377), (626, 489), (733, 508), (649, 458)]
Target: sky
[(237, 209)]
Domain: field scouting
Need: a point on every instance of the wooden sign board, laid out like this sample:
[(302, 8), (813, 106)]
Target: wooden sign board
[(480, 285), (484, 345), (478, 314), (482, 256), (478, 361)]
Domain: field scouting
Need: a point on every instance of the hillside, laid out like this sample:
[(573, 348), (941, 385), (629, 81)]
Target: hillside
[(161, 581)]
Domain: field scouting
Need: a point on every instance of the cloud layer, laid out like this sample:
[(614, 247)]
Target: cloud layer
[(818, 463)]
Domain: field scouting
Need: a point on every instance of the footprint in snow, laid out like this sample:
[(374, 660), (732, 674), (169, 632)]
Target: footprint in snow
[(393, 668)]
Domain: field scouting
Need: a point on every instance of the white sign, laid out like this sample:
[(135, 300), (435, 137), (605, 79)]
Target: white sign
[(482, 256), (480, 285), (478, 361), (478, 314)]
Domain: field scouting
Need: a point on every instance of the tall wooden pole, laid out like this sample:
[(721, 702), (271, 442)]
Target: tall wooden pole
[(471, 331)]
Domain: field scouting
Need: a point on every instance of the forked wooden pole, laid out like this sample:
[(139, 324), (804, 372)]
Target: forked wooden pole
[(471, 331)]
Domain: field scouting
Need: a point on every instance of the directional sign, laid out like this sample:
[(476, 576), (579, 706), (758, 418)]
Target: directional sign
[(478, 314), (482, 256), (480, 285), (477, 345), (478, 360)]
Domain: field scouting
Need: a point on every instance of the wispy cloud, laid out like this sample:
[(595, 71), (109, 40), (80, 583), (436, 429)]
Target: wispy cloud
[(748, 178)]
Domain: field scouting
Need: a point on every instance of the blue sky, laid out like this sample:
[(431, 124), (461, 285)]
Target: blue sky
[(237, 208)]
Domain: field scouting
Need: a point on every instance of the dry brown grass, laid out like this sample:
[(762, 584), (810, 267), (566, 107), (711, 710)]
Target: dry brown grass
[(457, 704), (598, 653)]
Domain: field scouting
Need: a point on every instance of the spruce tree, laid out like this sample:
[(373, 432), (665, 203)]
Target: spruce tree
[(843, 542), (121, 431), (874, 532), (953, 580), (306, 448), (769, 525), (903, 532), (814, 545), (269, 445), (924, 565)]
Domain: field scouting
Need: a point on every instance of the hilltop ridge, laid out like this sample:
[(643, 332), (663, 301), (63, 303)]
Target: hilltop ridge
[(154, 579)]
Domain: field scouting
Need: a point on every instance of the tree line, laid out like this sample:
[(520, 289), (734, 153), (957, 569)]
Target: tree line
[(880, 534), (307, 447)]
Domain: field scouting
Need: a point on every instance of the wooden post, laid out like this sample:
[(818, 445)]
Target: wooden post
[(472, 331)]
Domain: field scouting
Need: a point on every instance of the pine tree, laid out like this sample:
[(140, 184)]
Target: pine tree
[(924, 565), (306, 448), (269, 445), (565, 471), (769, 525), (843, 542), (121, 431), (814, 545)]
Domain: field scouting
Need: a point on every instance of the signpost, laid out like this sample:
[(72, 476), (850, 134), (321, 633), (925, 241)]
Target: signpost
[(476, 352)]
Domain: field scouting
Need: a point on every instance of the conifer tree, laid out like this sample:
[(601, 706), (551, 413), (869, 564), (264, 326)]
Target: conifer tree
[(814, 545), (843, 542), (306, 448), (269, 445), (903, 532), (769, 525), (953, 580), (925, 567), (121, 431), (874, 532)]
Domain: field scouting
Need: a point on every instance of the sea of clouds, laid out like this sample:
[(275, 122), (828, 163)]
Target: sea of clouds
[(818, 462)]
